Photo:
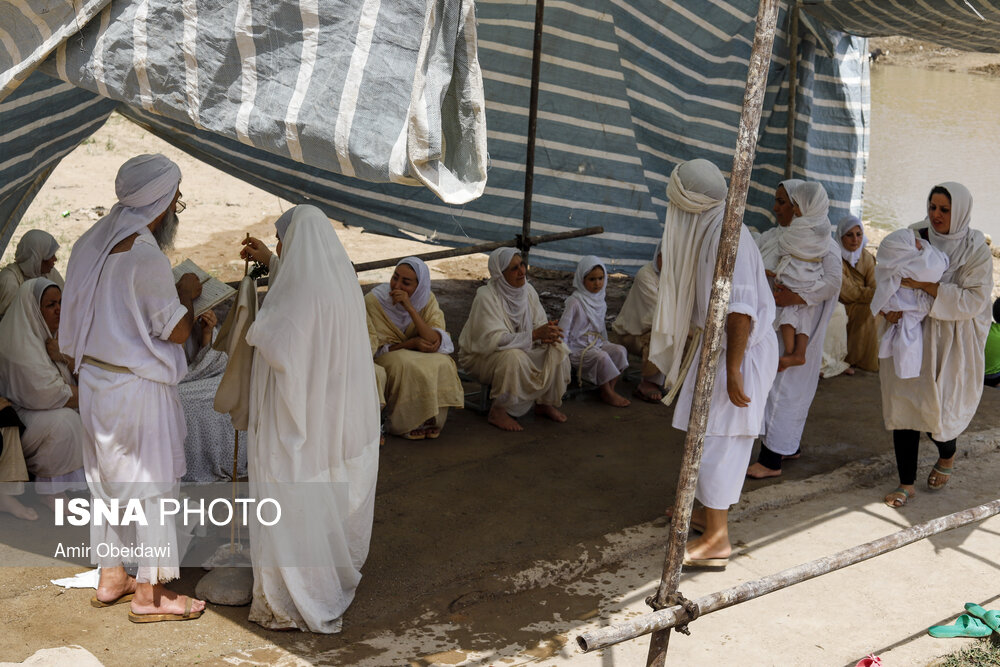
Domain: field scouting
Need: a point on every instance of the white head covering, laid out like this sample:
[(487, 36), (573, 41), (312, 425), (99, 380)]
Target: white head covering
[(790, 185), (311, 332), (514, 299), (29, 377), (961, 240), (697, 194), (35, 247), (846, 224), (898, 258), (808, 235), (281, 224), (594, 305), (395, 311), (145, 186)]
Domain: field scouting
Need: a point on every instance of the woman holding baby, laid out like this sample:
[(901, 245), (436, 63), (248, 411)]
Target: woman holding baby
[(942, 399)]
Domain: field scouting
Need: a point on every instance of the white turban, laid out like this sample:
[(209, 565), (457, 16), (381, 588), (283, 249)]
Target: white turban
[(697, 194), (34, 248), (146, 185)]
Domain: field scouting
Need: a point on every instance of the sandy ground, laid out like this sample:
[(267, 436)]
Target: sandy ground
[(491, 548)]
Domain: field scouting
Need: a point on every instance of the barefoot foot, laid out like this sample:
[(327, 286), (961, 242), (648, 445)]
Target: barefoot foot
[(760, 471), (12, 505), (162, 600), (551, 412), (503, 421), (788, 361), (613, 398)]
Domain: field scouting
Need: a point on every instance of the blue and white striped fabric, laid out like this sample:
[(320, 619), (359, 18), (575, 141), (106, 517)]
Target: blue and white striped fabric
[(629, 88)]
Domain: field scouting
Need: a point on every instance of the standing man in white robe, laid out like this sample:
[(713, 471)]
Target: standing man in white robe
[(749, 360), (124, 323), (794, 388), (314, 428)]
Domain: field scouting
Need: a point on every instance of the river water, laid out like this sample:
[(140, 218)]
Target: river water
[(928, 127)]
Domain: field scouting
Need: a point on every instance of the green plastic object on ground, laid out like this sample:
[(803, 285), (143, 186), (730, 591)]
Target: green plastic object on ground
[(990, 618), (964, 626)]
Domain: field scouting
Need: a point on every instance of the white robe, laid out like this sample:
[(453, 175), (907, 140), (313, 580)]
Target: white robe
[(794, 388), (12, 277), (313, 432), (495, 351), (636, 316), (134, 421), (731, 430)]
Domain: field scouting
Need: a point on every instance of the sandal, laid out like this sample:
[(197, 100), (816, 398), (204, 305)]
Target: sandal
[(941, 473), (649, 398), (898, 498)]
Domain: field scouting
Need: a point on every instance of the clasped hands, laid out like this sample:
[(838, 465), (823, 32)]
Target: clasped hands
[(549, 333)]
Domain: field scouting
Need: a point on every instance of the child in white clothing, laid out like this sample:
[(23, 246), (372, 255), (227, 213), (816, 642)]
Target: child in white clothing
[(597, 360)]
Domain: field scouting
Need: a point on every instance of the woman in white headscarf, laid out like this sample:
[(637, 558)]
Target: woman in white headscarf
[(856, 291), (794, 389), (35, 378), (943, 399), (35, 257), (413, 348), (634, 324), (314, 428), (509, 343), (598, 361)]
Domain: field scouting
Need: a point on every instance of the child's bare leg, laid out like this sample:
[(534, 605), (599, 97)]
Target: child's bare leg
[(612, 397), (788, 341), (796, 354)]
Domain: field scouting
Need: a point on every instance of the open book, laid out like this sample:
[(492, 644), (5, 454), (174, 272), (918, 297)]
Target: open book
[(213, 290)]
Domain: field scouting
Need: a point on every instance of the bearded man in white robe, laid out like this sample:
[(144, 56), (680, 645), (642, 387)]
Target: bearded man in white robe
[(123, 323), (749, 360)]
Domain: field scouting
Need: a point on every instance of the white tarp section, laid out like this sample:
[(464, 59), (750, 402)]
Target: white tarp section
[(382, 91)]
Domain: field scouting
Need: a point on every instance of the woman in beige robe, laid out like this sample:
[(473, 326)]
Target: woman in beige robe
[(509, 343), (856, 291), (942, 400), (413, 348)]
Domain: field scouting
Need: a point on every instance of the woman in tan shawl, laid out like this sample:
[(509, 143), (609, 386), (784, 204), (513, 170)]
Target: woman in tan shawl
[(412, 346), (856, 291)]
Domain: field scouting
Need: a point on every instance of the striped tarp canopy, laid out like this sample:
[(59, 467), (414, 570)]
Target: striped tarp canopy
[(628, 90), (968, 25)]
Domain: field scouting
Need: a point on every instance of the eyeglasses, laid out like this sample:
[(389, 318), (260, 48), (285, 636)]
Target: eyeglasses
[(179, 206)]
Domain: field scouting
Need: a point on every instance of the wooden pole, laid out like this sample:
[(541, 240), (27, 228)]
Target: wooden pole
[(739, 183), (529, 165), (675, 615), (793, 87)]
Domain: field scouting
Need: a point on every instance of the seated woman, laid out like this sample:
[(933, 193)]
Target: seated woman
[(35, 257), (599, 361), (509, 343), (208, 446), (856, 291), (35, 377), (13, 471), (412, 346), (634, 323)]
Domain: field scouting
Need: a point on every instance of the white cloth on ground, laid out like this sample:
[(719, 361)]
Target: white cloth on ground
[(898, 258), (314, 432), (696, 193), (944, 397), (835, 344)]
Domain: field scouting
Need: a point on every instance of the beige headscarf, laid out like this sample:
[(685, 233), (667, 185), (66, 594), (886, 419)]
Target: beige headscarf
[(697, 193)]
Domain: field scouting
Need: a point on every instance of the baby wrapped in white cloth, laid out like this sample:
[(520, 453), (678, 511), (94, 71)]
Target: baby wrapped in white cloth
[(903, 255)]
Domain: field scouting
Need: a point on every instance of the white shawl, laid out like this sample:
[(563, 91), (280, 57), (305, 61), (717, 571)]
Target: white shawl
[(846, 224), (515, 300), (697, 194), (145, 186), (395, 311), (594, 305), (961, 240), (34, 247)]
